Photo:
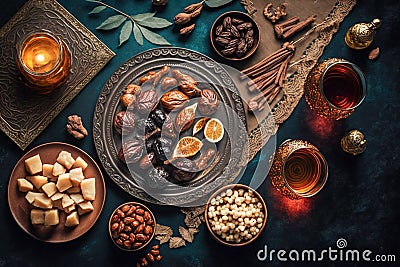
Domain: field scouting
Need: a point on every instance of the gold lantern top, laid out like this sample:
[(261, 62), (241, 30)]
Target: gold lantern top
[(361, 35), (354, 142)]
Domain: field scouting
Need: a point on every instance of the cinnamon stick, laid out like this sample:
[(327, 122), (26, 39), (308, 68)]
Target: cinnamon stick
[(298, 27), (281, 28)]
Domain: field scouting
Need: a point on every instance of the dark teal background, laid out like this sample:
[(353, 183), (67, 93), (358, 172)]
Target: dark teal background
[(360, 201)]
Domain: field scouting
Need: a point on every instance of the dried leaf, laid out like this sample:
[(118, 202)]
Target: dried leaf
[(163, 238), (195, 211), (192, 222), (143, 16), (97, 9), (176, 242), (153, 37), (137, 34), (193, 230), (154, 22), (163, 230), (112, 22), (126, 31), (217, 3), (186, 234)]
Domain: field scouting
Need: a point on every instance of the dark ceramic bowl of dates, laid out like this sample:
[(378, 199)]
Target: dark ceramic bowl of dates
[(235, 35)]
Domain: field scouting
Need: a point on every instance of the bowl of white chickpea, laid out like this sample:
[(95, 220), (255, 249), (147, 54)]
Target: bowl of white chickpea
[(235, 215)]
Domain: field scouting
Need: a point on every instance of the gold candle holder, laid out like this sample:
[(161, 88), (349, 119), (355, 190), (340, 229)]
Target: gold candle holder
[(44, 62), (298, 170), (334, 88)]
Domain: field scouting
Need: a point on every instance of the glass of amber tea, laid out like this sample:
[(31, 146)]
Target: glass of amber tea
[(334, 88), (44, 62), (298, 170)]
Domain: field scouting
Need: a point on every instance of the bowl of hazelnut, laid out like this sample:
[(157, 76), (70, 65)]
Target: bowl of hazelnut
[(235, 215), (131, 226), (235, 35)]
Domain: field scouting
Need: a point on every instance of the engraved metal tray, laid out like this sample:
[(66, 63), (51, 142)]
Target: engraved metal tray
[(24, 115), (231, 158)]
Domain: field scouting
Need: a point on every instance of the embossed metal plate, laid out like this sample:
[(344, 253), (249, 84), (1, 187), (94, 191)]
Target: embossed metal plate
[(107, 142), (24, 115)]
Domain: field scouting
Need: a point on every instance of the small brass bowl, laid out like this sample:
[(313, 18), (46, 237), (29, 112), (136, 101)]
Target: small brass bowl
[(220, 192), (237, 15), (112, 220)]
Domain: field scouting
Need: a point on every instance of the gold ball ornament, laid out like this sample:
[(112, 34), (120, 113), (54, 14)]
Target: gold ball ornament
[(361, 35), (354, 142)]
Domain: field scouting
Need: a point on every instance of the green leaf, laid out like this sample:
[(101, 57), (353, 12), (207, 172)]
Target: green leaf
[(137, 34), (112, 22), (217, 3), (97, 9), (92, 1), (154, 22), (143, 16), (126, 31), (153, 37)]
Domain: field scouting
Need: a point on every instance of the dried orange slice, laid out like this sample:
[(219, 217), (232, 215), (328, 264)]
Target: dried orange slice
[(214, 130), (199, 125), (188, 146)]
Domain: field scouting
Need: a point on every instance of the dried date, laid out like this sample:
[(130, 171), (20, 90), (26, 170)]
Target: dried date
[(241, 48), (228, 51), (222, 41), (235, 32), (168, 83), (219, 30), (227, 23)]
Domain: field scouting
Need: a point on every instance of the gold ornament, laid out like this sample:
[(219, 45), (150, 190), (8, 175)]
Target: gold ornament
[(361, 35), (354, 142)]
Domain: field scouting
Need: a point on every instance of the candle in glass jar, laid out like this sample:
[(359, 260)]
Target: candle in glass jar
[(44, 62), (40, 54)]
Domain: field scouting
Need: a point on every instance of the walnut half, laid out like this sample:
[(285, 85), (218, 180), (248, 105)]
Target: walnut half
[(274, 14), (75, 127)]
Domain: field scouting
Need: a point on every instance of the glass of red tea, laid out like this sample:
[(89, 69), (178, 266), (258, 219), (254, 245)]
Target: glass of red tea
[(334, 88), (299, 170)]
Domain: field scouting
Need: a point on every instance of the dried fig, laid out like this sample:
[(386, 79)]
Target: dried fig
[(185, 118), (208, 102), (173, 99)]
